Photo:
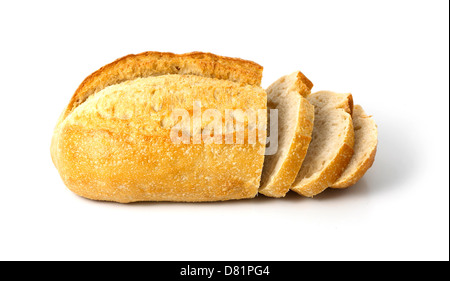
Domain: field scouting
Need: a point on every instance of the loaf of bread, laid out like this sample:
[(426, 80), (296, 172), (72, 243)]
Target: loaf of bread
[(113, 141), (198, 127)]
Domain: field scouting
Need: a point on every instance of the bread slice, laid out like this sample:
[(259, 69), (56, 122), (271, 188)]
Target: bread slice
[(295, 125), (366, 140), (331, 147)]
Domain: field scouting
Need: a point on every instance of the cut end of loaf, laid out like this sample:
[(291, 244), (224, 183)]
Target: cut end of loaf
[(366, 140)]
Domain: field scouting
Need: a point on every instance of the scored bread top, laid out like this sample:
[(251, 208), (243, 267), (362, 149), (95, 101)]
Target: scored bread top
[(331, 147), (161, 63), (145, 105), (366, 139), (295, 125)]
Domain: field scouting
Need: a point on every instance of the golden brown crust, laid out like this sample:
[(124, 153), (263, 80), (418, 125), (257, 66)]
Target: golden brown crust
[(116, 146), (304, 84), (109, 166), (350, 105), (160, 63)]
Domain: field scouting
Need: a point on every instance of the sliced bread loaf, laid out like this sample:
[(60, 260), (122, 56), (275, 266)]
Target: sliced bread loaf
[(295, 125), (366, 140), (331, 147)]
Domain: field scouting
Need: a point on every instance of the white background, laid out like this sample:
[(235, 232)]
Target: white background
[(392, 55)]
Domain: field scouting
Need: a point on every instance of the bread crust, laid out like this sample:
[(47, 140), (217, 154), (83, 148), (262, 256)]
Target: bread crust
[(278, 185), (304, 85), (116, 146), (329, 174), (351, 177), (161, 63)]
